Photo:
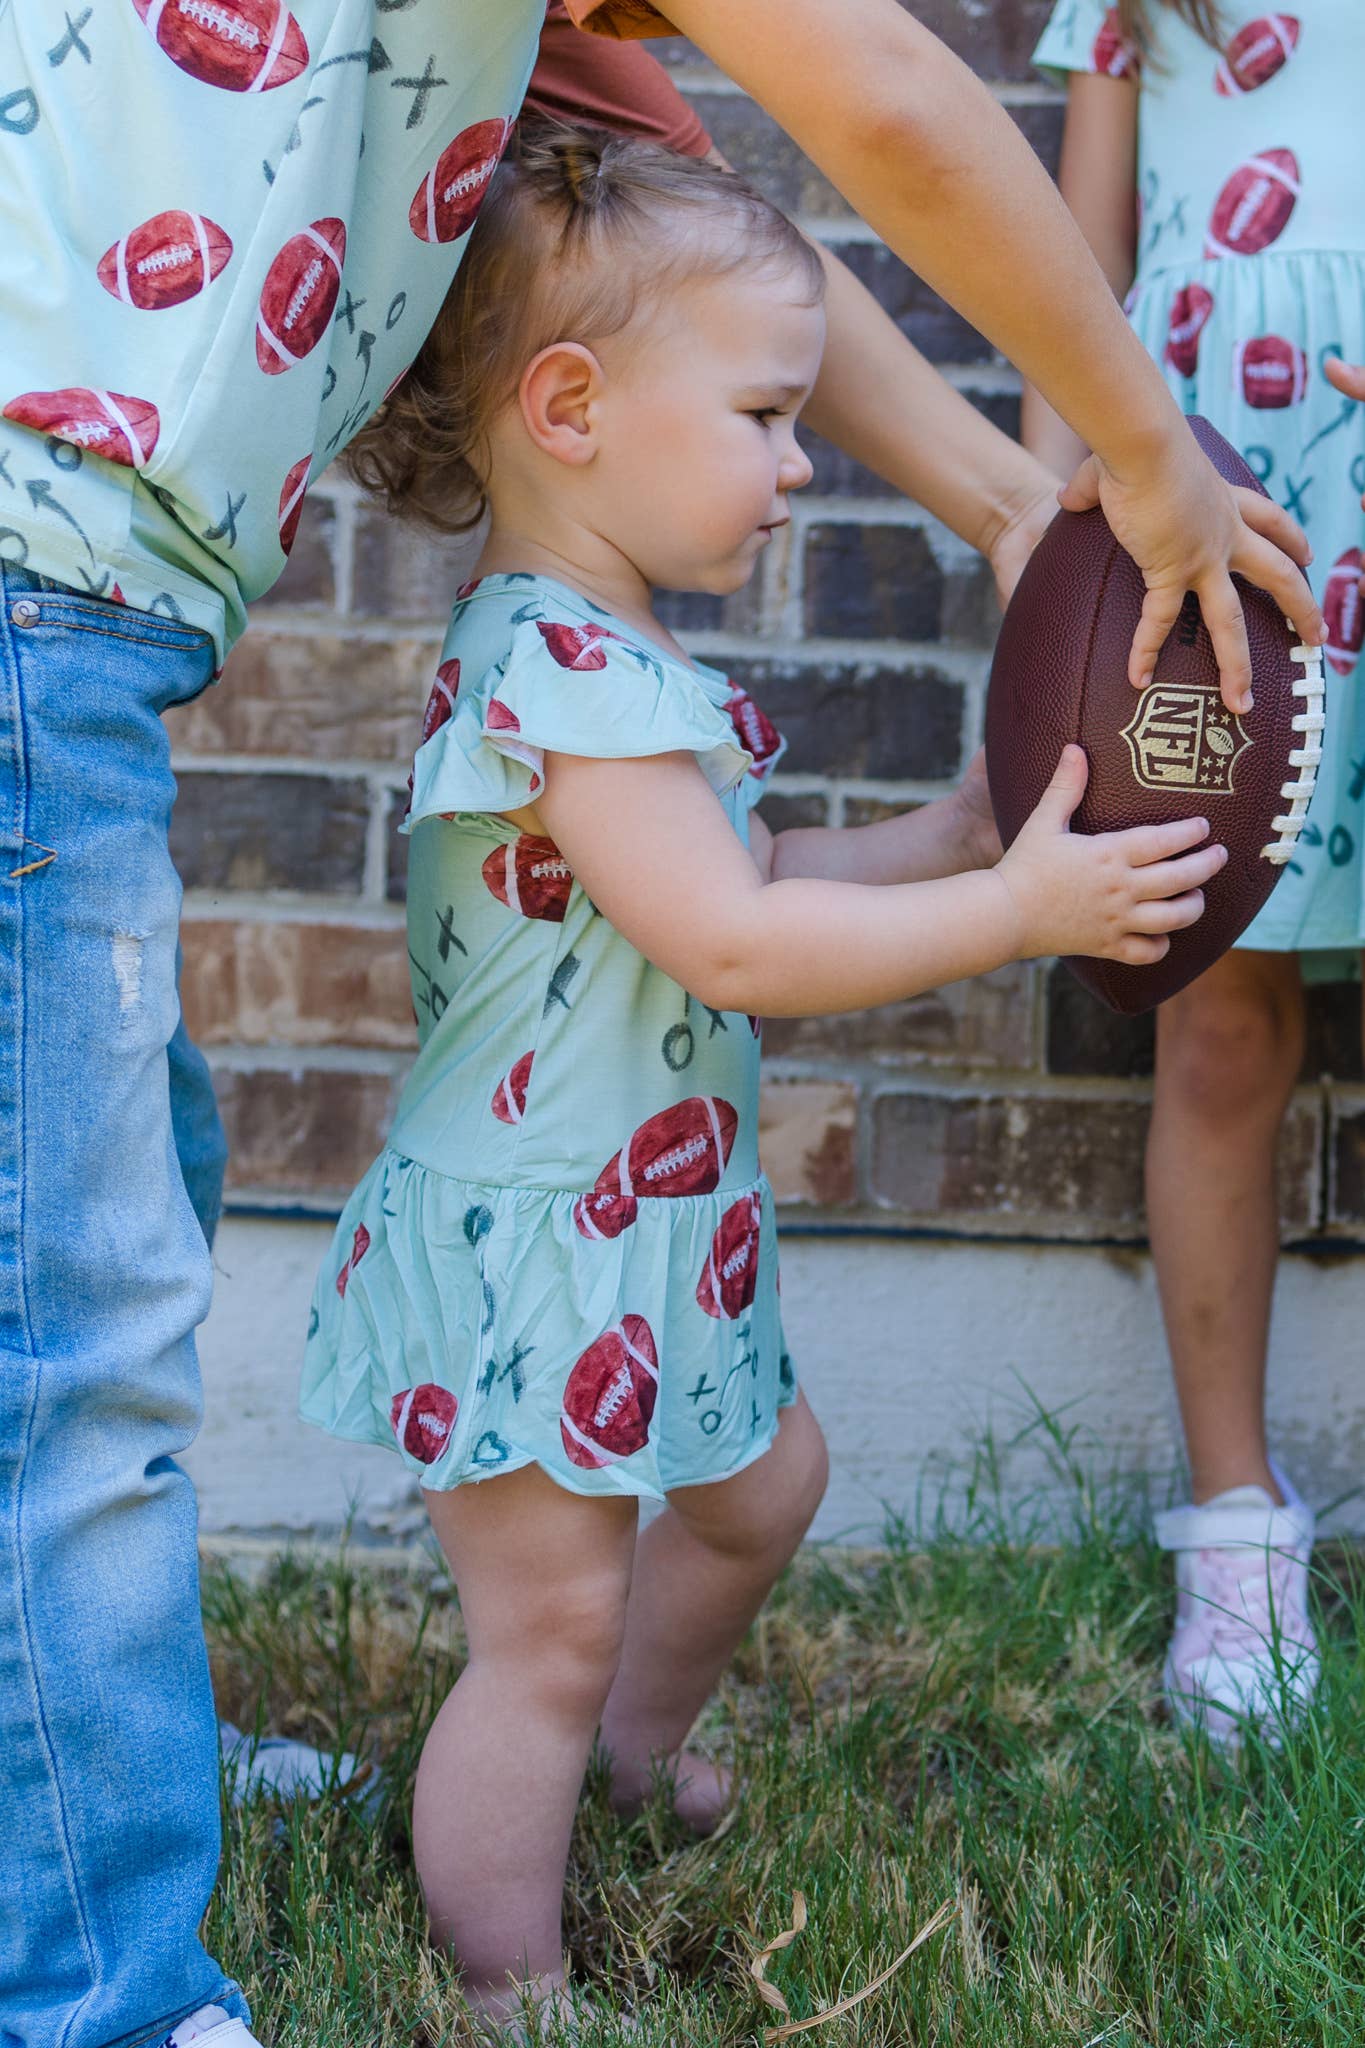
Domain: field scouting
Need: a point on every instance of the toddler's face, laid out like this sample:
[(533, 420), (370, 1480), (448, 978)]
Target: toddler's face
[(697, 447)]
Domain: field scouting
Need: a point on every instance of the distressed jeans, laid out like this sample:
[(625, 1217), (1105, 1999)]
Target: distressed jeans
[(109, 1836)]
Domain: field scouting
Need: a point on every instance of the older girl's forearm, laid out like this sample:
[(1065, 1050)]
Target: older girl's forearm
[(973, 210), (882, 403)]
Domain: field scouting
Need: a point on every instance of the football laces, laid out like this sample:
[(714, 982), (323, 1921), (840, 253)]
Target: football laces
[(1308, 723)]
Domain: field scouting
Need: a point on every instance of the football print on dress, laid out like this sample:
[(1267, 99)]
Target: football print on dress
[(728, 1279), (1190, 310), (422, 1419), (299, 295), (577, 646), (509, 1097), (446, 203), (609, 1396), (165, 260), (1256, 53), (1271, 372), (292, 492), (682, 1150), (106, 423), (1344, 612), (1254, 206), (360, 1244), (239, 45), (531, 876), (754, 729), (441, 702), (1113, 56)]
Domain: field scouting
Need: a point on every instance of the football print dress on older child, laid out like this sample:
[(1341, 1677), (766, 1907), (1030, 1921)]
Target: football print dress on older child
[(1250, 276), (1232, 130)]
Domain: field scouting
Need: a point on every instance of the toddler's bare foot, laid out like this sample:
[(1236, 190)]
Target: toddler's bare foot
[(702, 1791), (538, 2021)]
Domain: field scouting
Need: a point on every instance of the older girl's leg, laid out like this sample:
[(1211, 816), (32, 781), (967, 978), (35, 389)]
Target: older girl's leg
[(543, 1579), (703, 1569)]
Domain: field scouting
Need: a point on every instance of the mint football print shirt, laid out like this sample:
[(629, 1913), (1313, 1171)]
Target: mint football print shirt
[(226, 227)]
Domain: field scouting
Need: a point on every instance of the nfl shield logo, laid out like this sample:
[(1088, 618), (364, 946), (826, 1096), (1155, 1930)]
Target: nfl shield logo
[(1183, 738)]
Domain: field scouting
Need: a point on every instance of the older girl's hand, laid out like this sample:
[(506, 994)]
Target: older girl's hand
[(1189, 530)]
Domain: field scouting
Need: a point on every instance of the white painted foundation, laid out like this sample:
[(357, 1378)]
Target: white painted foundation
[(910, 1350)]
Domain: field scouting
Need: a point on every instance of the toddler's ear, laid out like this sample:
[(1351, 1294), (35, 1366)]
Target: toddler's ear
[(558, 395)]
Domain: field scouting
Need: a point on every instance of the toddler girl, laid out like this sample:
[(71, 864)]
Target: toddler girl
[(556, 1292), (1213, 152)]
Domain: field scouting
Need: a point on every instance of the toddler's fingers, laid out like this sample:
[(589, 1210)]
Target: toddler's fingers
[(1172, 877), (1140, 845), (1273, 523), (1169, 913), (1138, 952)]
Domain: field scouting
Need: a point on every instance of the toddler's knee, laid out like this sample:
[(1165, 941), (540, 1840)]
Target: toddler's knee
[(576, 1638)]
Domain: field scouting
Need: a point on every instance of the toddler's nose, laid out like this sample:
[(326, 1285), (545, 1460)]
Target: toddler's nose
[(796, 469)]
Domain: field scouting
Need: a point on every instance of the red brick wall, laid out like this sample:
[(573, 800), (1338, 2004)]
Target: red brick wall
[(1011, 1105)]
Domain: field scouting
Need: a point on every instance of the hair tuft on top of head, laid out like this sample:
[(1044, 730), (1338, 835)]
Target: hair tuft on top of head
[(579, 229)]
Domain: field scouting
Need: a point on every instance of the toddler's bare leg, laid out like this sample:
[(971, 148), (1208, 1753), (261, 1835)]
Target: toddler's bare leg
[(543, 1578), (703, 1569)]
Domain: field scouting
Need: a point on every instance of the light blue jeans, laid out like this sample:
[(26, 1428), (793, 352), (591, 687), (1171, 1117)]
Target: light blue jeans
[(109, 1834)]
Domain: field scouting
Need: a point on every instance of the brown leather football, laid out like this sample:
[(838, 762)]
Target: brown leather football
[(1170, 751)]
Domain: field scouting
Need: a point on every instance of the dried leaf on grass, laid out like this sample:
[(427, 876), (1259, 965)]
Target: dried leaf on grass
[(758, 1968), (773, 1997)]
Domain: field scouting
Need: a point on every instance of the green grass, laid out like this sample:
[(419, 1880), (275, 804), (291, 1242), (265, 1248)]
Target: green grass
[(966, 1720)]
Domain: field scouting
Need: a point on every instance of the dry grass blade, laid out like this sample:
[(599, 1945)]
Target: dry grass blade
[(946, 1912), (758, 1968)]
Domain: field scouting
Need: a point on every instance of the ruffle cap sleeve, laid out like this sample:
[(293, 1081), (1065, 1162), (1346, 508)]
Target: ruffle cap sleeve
[(1084, 35), (563, 687)]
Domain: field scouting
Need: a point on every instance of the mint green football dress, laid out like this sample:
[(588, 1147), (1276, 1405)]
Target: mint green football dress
[(565, 1255), (1250, 273)]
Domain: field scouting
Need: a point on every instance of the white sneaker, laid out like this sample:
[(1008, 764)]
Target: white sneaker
[(1243, 1649), (274, 1763), (210, 2027)]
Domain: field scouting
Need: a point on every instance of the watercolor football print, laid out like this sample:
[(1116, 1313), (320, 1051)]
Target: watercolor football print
[(730, 1275), (422, 1418), (577, 646), (299, 296), (292, 492), (165, 260), (107, 423), (609, 1396), (509, 1097), (1255, 54), (1112, 55), (1270, 371), (1344, 612), (441, 702), (238, 45), (360, 1244), (1254, 206), (1190, 310), (682, 1150), (754, 730), (446, 203), (531, 876)]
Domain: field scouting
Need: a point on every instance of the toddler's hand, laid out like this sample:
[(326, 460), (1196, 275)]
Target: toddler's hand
[(1114, 895), (978, 838)]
